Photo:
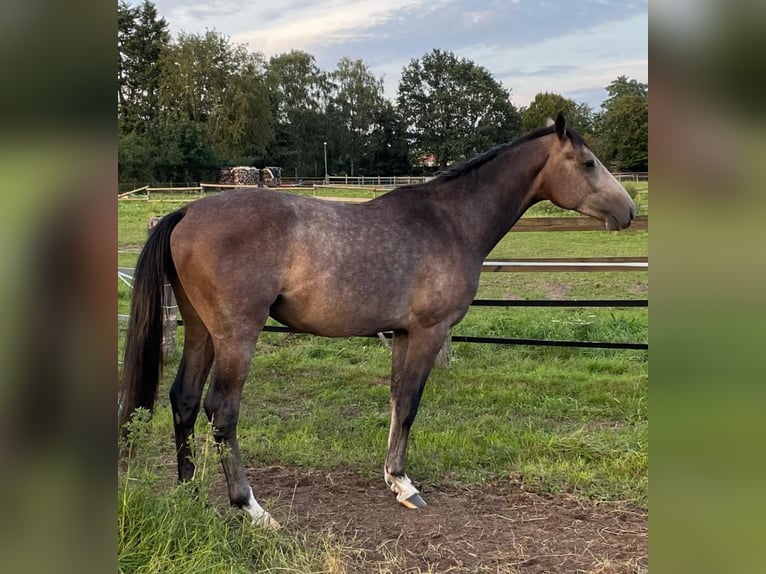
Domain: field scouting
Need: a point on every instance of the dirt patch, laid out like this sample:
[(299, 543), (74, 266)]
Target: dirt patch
[(554, 290), (512, 297), (500, 529)]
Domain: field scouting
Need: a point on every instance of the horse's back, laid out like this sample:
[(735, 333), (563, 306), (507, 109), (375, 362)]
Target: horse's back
[(324, 267)]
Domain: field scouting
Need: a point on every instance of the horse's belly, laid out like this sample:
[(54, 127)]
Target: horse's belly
[(333, 317)]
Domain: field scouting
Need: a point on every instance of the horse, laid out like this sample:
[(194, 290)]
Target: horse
[(408, 261)]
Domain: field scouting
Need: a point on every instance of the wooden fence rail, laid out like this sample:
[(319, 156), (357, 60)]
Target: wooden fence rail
[(570, 264), (530, 223), (573, 223)]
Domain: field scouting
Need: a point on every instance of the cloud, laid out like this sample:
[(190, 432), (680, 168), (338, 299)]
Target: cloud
[(210, 10), (479, 16), (310, 25), (564, 47), (544, 71), (581, 61)]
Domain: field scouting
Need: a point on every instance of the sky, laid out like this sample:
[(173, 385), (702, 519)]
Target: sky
[(574, 48)]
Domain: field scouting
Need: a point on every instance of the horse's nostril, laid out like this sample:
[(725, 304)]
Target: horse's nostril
[(632, 212)]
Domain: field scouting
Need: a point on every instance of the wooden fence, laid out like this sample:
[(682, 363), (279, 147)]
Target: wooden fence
[(634, 176), (375, 185), (365, 180)]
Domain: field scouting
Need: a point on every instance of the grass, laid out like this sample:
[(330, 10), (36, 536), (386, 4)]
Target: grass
[(174, 528), (558, 419), (565, 421)]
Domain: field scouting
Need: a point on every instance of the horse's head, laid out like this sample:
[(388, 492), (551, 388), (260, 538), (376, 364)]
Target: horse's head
[(574, 178)]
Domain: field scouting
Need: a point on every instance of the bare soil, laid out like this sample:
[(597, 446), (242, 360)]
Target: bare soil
[(498, 528)]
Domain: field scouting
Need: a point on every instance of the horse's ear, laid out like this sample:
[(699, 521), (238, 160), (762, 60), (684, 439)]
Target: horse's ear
[(561, 126), (549, 122)]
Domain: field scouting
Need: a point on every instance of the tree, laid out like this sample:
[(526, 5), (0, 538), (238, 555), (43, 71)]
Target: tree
[(241, 127), (184, 150), (388, 147), (142, 36), (299, 92), (356, 105), (547, 105), (623, 134), (454, 108), (624, 86), (622, 126), (221, 87), (135, 157)]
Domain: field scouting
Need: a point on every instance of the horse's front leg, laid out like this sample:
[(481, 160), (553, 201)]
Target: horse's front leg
[(413, 357)]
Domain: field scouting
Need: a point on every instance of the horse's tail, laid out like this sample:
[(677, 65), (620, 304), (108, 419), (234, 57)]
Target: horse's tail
[(142, 362)]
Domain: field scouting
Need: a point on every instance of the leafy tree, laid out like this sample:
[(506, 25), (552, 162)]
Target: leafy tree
[(189, 105), (184, 150), (454, 108), (624, 86), (388, 147), (356, 105), (142, 36), (622, 126), (547, 105), (299, 92), (135, 157), (241, 127), (623, 135), (221, 88), (126, 26)]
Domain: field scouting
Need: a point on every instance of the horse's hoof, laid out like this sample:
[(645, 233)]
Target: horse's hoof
[(266, 521), (414, 501), (258, 516), (406, 493)]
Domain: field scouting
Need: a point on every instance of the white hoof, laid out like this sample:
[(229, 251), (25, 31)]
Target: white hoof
[(266, 521), (258, 516), (413, 502), (406, 493)]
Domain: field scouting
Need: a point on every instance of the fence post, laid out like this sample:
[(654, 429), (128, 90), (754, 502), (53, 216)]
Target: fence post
[(169, 316), (444, 357)]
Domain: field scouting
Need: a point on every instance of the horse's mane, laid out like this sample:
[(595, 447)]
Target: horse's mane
[(463, 167), (466, 166)]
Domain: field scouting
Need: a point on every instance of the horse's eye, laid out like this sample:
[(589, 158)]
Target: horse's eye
[(590, 163)]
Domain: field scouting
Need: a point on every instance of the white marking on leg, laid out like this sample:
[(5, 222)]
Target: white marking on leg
[(402, 486), (258, 516)]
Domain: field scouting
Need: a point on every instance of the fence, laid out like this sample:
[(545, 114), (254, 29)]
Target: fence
[(373, 184), (144, 193), (392, 181), (126, 188), (561, 264), (634, 176)]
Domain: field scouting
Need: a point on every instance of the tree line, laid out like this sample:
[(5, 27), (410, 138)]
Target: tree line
[(190, 104)]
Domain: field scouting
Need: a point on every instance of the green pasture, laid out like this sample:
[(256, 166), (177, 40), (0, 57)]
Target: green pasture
[(558, 420)]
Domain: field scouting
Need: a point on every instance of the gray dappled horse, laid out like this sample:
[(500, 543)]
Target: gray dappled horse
[(408, 262)]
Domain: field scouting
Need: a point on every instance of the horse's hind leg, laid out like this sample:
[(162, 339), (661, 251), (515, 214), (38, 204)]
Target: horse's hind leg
[(186, 390), (413, 358), (232, 363)]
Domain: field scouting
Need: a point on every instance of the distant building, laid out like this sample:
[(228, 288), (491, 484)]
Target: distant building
[(428, 160)]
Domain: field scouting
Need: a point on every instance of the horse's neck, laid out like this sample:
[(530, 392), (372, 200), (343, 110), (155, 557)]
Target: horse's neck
[(486, 202)]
